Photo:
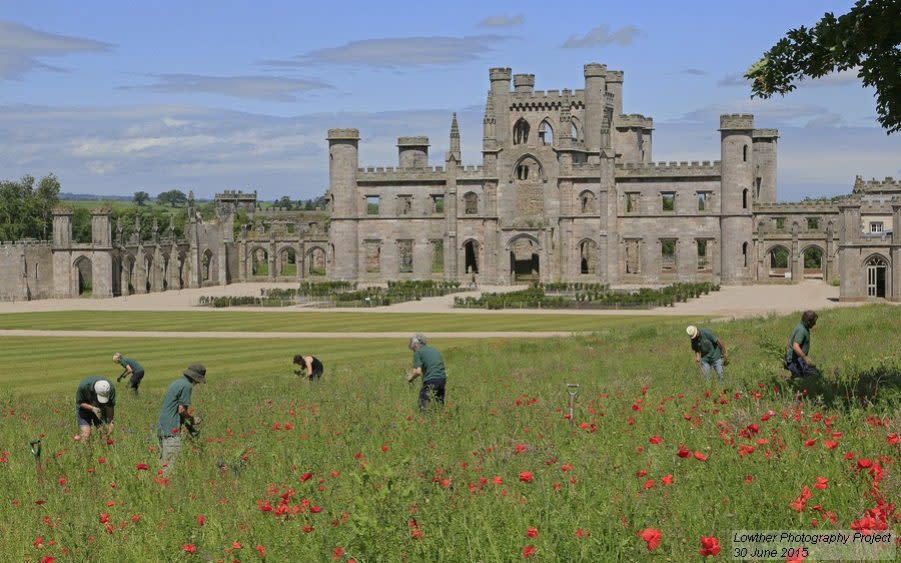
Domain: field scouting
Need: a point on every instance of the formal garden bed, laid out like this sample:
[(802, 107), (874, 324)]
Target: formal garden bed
[(586, 296), (338, 294)]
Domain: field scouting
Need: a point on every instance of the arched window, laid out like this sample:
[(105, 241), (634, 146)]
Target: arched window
[(522, 172), (470, 203), (587, 202), (744, 253), (744, 153), (574, 130), (545, 133), (744, 198), (521, 132)]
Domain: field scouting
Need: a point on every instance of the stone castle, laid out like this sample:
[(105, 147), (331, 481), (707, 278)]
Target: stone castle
[(567, 191)]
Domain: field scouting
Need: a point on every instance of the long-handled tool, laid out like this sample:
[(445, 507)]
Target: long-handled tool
[(573, 390), (36, 452)]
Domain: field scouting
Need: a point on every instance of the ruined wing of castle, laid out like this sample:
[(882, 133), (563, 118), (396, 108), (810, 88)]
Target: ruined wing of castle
[(567, 191)]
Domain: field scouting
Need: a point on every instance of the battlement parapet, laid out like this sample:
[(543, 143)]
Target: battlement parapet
[(615, 76), (545, 100), (668, 169), (736, 121), (888, 184), (797, 207), (415, 141), (343, 134), (595, 70), (500, 73), (401, 174), (634, 120), (26, 242), (765, 134), (60, 210)]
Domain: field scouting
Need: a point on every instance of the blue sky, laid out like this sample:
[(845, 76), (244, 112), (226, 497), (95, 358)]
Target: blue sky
[(208, 95)]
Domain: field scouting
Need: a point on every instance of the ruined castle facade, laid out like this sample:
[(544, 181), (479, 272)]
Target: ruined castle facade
[(567, 191)]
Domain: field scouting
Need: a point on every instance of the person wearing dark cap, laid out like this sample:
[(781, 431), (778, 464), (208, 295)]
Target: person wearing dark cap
[(429, 365), (95, 405), (311, 364), (709, 351), (797, 360), (174, 414)]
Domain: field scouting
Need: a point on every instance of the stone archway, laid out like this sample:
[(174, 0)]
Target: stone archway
[(813, 260), (83, 276), (876, 269), (525, 258), (315, 262), (778, 261)]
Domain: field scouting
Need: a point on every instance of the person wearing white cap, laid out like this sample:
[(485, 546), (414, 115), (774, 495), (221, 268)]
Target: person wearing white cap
[(95, 405), (709, 351)]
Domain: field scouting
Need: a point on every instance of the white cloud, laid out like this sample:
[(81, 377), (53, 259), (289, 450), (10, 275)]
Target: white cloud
[(398, 52), (502, 21), (602, 36), (271, 88), (22, 48)]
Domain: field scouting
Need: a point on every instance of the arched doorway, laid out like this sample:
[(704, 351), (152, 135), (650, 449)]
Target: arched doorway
[(525, 262), (315, 263), (471, 257), (812, 258), (588, 257), (778, 259), (877, 270), (206, 262), (287, 259), (84, 283), (259, 262)]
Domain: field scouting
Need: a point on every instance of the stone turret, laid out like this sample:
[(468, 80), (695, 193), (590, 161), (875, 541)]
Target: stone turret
[(500, 95), (413, 152), (523, 83), (343, 146), (736, 151), (595, 97)]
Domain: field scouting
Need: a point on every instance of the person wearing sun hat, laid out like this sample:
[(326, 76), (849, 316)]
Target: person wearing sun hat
[(709, 351), (95, 405), (174, 414), (132, 369)]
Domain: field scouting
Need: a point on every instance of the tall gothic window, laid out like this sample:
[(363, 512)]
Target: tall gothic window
[(521, 132), (545, 133)]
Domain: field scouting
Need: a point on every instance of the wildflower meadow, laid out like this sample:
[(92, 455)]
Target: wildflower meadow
[(652, 463)]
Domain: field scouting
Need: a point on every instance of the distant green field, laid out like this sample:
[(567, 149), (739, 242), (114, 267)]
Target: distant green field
[(41, 365), (306, 321)]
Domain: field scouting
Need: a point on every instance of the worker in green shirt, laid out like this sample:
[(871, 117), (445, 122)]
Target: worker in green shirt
[(797, 360), (429, 365), (174, 414), (95, 405), (132, 369), (709, 351)]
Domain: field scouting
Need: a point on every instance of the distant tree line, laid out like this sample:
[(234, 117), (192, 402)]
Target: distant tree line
[(287, 204)]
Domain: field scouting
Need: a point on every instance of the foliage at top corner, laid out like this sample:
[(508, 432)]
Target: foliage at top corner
[(866, 39)]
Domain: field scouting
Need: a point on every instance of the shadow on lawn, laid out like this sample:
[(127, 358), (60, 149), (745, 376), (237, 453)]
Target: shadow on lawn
[(878, 386)]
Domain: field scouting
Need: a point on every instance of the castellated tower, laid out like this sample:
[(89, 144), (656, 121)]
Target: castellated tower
[(765, 165), (595, 98), (343, 146), (736, 221)]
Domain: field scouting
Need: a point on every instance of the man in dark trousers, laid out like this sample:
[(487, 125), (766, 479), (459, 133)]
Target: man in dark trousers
[(309, 364), (174, 413), (796, 359), (429, 365), (709, 351), (132, 369), (95, 405)]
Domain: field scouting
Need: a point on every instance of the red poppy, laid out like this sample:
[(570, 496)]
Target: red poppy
[(649, 484), (142, 467), (821, 483), (864, 463), (810, 442), (520, 448), (337, 553), (683, 451), (830, 444), (709, 546), (236, 545), (528, 551), (135, 518), (525, 476), (62, 481), (892, 439), (261, 550), (189, 548), (749, 479), (306, 476), (655, 439), (651, 538), (47, 559), (566, 467), (580, 533), (200, 520), (700, 457), (667, 479), (104, 518), (532, 532)]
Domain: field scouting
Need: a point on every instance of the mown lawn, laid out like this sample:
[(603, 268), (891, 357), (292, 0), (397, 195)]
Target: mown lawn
[(346, 469), (306, 321)]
